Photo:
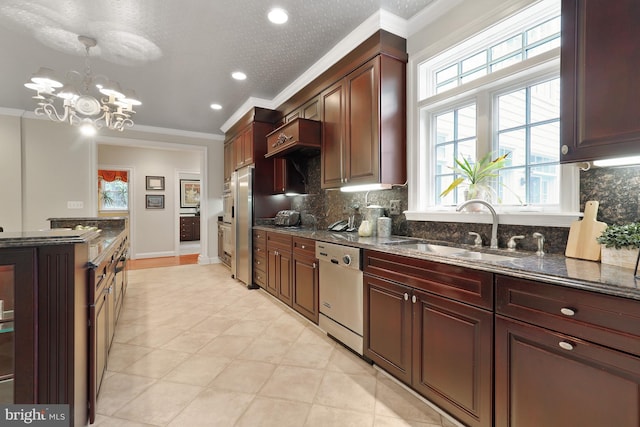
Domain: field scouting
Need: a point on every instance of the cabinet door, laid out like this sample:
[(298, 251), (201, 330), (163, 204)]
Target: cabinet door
[(229, 161), (305, 287), (98, 343), (285, 282), (387, 326), (544, 378), (362, 141), (247, 146), (17, 326), (333, 134), (273, 271), (452, 357), (599, 72)]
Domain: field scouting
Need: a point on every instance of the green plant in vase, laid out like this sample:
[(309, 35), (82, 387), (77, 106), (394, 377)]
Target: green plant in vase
[(477, 176), (620, 244)]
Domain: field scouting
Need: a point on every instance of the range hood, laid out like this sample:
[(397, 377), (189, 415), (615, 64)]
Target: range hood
[(298, 138)]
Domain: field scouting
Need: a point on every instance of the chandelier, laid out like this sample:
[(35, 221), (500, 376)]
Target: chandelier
[(111, 107)]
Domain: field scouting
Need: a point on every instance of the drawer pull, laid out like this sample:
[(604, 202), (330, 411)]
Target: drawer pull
[(258, 262), (406, 296), (313, 265), (413, 299), (568, 311), (565, 345), (303, 246)]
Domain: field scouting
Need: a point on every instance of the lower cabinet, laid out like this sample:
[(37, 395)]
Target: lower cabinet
[(305, 278), (441, 347), (565, 357), (279, 260), (189, 228), (544, 378)]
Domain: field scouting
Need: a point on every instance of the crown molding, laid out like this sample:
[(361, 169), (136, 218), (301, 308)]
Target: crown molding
[(429, 14), (13, 112), (250, 103)]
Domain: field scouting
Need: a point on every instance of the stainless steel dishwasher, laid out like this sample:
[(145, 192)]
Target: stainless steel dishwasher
[(341, 293)]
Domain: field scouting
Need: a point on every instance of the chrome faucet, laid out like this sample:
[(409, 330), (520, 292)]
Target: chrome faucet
[(540, 238), (494, 214)]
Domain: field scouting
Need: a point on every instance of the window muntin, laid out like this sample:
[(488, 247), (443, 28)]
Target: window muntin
[(529, 42), (529, 128), (455, 138)]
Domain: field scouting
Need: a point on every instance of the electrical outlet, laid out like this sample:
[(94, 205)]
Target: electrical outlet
[(75, 205), (394, 207)]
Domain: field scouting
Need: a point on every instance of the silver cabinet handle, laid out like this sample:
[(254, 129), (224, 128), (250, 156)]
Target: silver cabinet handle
[(406, 296), (414, 299), (313, 265), (258, 262), (302, 246), (565, 345), (568, 311)]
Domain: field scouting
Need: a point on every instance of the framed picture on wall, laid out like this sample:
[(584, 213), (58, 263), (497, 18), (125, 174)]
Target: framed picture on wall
[(154, 201), (189, 193), (155, 182)]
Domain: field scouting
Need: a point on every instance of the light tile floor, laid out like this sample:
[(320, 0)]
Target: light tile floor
[(194, 347)]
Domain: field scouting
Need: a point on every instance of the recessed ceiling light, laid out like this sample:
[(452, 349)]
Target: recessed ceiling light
[(238, 75), (216, 107), (278, 16)]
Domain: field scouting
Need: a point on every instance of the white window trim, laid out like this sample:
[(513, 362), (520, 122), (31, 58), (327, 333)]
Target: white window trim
[(420, 181)]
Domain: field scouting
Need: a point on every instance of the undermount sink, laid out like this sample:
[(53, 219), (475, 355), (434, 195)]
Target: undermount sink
[(435, 249), (453, 251)]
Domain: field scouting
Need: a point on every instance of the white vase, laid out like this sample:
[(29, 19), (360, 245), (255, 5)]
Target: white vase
[(474, 192), (624, 257)]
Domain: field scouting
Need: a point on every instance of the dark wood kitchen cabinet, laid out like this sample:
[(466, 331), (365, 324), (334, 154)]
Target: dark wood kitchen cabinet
[(305, 278), (243, 147), (43, 333), (600, 88), (565, 357), (431, 326), (229, 161), (286, 179), (189, 228), (260, 258), (364, 126), (279, 268)]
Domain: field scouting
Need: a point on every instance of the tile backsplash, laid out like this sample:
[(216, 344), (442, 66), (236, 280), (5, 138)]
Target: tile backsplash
[(615, 189)]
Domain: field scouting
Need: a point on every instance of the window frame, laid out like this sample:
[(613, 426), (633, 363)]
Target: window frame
[(420, 160)]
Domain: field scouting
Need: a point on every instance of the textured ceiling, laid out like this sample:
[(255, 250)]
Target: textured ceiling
[(178, 54)]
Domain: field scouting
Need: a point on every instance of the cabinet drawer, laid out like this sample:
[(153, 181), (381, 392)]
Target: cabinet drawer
[(459, 283), (259, 237), (279, 241), (259, 278), (603, 319), (297, 135), (304, 247), (259, 261)]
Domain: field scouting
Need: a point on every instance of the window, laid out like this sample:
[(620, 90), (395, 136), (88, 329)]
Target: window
[(497, 92), (113, 190)]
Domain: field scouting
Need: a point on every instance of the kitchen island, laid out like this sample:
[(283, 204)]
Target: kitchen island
[(45, 286), (499, 338)]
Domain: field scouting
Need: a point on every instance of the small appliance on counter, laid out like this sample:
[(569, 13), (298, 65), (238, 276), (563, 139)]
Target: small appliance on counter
[(287, 218)]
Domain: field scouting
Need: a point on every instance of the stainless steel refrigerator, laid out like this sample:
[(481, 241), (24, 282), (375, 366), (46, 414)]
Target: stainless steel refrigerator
[(243, 198)]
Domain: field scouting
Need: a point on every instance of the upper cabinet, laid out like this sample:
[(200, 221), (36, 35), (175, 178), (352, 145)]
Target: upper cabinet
[(364, 126), (243, 147), (600, 85), (229, 161), (298, 137)]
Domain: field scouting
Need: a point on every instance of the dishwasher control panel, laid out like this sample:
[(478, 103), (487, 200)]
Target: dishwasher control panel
[(339, 255)]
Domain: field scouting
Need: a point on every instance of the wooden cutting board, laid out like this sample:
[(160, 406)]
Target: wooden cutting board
[(583, 233)]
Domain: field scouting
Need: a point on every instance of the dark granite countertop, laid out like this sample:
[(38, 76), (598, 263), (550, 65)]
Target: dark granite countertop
[(58, 236), (551, 268)]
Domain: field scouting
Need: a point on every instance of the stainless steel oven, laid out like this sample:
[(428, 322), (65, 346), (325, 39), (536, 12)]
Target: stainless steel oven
[(341, 294)]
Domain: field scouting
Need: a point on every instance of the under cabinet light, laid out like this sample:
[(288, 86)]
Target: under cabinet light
[(620, 161), (365, 187)]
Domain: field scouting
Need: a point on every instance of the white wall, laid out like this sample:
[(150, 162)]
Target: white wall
[(44, 165), (10, 174), (145, 223)]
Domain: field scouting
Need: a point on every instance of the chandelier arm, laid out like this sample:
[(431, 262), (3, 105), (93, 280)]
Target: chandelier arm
[(52, 113)]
